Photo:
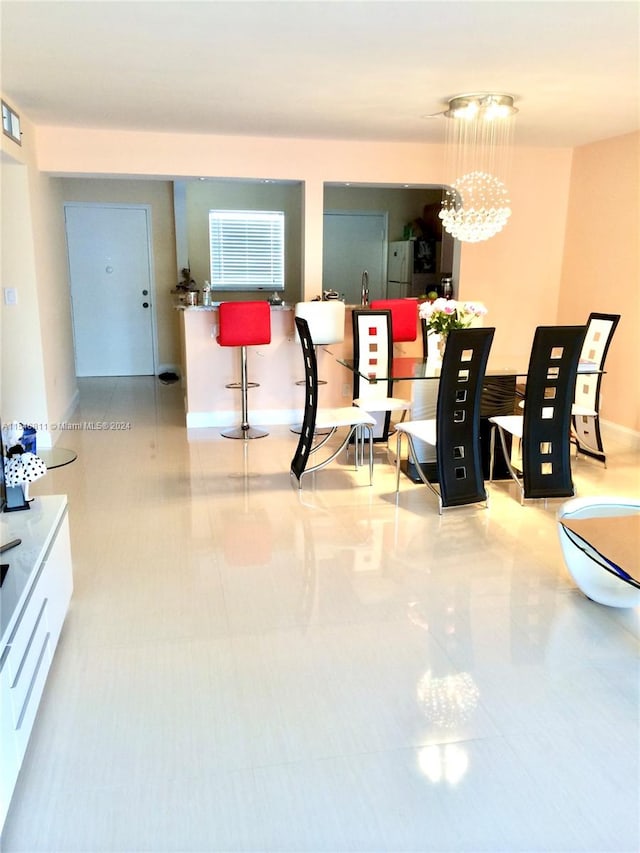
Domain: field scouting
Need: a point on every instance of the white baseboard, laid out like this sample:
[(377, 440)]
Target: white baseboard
[(625, 435), (47, 438), (257, 417)]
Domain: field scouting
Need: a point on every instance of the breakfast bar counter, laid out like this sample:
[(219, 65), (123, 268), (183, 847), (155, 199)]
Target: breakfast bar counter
[(207, 368)]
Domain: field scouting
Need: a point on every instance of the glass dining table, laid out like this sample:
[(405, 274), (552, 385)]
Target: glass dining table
[(499, 397), (501, 392), (409, 368)]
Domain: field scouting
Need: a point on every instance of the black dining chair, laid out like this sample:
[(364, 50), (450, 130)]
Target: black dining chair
[(320, 425), (585, 412), (455, 431), (538, 456)]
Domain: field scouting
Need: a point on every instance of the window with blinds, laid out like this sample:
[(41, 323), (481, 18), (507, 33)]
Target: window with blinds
[(247, 249)]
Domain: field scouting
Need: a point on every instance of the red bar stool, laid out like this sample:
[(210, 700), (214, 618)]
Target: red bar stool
[(404, 317), (244, 324)]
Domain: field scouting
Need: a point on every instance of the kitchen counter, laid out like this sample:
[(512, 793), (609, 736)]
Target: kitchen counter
[(214, 307), (278, 368), (207, 368)]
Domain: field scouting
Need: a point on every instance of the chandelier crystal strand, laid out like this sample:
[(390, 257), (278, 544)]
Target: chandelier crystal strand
[(479, 143)]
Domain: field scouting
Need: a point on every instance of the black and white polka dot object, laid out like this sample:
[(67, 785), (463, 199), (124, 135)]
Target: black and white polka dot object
[(23, 468)]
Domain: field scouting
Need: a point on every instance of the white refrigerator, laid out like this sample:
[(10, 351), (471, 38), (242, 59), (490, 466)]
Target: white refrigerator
[(400, 269), (405, 257)]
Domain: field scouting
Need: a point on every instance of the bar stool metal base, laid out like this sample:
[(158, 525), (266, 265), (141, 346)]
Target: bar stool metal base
[(244, 433)]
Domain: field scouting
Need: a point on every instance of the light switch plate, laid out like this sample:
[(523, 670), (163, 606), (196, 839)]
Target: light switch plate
[(10, 296)]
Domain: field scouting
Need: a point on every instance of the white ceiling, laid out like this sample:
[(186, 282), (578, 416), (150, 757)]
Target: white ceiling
[(334, 69)]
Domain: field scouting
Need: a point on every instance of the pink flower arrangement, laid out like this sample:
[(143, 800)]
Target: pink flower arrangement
[(442, 315)]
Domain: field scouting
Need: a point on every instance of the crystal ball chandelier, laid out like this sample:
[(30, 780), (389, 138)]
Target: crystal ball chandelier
[(479, 139), (475, 207)]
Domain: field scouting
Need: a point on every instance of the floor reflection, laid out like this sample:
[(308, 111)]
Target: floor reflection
[(447, 762)]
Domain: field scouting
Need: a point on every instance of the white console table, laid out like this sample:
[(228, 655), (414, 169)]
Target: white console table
[(34, 600)]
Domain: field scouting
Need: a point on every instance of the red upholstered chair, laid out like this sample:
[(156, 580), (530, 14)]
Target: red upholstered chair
[(404, 317), (244, 324)]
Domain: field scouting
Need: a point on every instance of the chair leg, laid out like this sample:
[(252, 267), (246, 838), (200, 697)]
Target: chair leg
[(507, 459), (492, 451), (585, 432), (411, 454), (352, 433), (398, 450), (244, 431), (358, 447)]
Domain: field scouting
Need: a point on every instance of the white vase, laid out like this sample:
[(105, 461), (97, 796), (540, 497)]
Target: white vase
[(442, 344)]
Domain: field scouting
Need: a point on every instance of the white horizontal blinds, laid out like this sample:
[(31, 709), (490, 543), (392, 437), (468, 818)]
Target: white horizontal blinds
[(247, 249)]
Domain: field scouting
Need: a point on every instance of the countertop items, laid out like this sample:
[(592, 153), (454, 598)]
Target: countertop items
[(214, 307)]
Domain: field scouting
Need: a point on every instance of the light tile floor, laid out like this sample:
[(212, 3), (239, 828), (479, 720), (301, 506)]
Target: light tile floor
[(244, 668)]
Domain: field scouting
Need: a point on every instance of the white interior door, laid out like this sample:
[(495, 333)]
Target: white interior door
[(352, 243), (109, 250)]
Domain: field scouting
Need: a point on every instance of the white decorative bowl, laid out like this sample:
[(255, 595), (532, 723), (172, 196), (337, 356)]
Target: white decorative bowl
[(595, 575)]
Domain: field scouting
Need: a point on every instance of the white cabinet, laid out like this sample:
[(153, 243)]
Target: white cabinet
[(34, 599)]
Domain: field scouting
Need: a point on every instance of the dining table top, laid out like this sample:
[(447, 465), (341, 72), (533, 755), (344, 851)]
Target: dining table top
[(417, 367)]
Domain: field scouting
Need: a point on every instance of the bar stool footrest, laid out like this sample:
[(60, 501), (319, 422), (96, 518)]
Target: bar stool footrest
[(238, 385)]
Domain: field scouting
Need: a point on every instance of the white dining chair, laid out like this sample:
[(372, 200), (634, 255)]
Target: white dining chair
[(372, 361)]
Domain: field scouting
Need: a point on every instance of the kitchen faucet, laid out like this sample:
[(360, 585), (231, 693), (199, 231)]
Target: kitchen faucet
[(365, 288)]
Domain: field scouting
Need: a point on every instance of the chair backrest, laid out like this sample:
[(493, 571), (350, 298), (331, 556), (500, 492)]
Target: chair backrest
[(600, 329), (551, 381), (372, 353), (458, 416), (305, 442), (325, 319), (404, 317), (244, 324), (424, 331), (372, 357)]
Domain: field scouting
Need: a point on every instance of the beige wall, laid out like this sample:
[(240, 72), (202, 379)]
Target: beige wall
[(38, 374), (518, 273), (54, 299), (23, 386), (203, 196), (601, 269)]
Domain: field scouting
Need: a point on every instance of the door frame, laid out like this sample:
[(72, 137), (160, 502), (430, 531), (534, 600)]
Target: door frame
[(385, 237), (146, 208)]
